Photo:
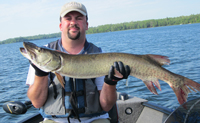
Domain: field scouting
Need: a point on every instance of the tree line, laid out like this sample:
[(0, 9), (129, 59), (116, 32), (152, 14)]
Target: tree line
[(145, 24), (29, 38), (118, 27)]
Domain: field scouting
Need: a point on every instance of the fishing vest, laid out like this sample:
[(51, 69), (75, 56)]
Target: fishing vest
[(80, 98)]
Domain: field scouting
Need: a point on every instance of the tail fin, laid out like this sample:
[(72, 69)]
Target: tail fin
[(182, 91)]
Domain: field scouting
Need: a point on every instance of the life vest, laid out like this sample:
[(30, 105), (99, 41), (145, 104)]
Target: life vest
[(80, 98)]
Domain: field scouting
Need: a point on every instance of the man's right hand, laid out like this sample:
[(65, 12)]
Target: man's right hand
[(39, 72)]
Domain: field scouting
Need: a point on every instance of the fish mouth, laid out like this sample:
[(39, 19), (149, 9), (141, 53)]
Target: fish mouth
[(29, 50), (23, 50)]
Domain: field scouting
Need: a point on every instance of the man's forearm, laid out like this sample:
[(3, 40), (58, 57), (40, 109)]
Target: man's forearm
[(108, 96), (38, 92)]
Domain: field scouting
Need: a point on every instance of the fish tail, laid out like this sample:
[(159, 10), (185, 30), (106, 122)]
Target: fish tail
[(183, 91), (192, 85)]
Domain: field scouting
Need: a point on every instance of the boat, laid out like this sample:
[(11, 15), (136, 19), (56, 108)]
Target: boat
[(130, 110), (136, 110)]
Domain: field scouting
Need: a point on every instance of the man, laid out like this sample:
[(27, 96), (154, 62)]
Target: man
[(74, 103)]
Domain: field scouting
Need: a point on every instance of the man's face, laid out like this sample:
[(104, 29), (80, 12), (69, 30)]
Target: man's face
[(73, 25)]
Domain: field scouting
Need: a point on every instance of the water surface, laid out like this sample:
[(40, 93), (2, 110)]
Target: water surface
[(180, 43)]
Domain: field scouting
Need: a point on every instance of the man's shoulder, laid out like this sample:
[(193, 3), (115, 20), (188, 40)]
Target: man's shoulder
[(94, 48), (53, 43)]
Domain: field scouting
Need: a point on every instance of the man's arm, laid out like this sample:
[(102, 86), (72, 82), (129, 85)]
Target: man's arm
[(108, 95), (38, 92)]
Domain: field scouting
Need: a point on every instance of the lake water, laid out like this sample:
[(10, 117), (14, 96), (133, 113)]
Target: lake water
[(180, 43)]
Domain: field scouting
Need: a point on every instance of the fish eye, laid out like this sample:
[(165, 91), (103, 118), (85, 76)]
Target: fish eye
[(39, 49)]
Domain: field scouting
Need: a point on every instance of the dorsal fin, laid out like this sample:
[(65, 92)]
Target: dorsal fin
[(162, 60)]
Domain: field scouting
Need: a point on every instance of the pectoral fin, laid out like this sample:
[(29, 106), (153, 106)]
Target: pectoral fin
[(61, 80)]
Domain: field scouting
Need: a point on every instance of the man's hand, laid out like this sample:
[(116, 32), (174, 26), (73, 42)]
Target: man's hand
[(39, 72), (116, 73)]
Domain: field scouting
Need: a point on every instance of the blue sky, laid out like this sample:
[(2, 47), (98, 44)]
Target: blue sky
[(33, 17)]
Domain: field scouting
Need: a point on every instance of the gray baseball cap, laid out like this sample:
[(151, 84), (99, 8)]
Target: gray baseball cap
[(73, 6)]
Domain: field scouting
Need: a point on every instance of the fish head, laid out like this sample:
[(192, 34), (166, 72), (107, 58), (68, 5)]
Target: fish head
[(44, 58)]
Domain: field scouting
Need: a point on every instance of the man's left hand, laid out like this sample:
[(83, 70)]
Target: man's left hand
[(117, 73)]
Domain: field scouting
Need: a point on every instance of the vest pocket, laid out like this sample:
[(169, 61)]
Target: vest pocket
[(54, 106), (92, 98)]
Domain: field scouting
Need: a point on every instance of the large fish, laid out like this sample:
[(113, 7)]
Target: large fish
[(145, 67)]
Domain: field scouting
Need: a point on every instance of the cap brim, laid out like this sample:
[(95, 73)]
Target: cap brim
[(64, 13)]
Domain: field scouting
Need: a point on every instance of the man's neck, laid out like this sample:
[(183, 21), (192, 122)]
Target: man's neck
[(73, 46)]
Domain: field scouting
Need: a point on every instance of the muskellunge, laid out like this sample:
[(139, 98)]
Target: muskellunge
[(148, 68)]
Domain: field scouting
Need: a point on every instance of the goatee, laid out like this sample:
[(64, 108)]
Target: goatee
[(74, 37)]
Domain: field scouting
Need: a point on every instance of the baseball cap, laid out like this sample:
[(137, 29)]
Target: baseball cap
[(73, 6)]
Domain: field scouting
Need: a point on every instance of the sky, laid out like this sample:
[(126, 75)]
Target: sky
[(19, 18)]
